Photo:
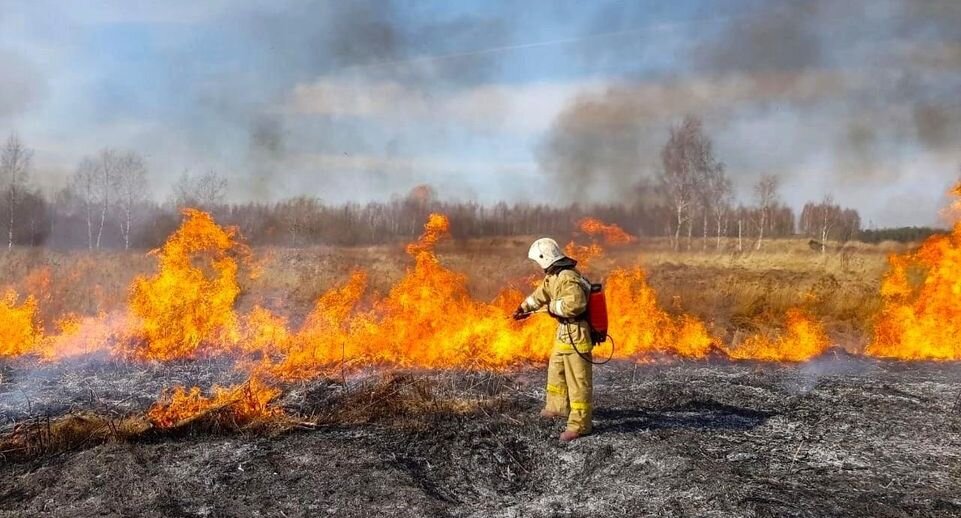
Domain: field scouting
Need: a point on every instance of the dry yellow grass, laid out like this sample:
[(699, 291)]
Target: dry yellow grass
[(735, 292), (743, 292)]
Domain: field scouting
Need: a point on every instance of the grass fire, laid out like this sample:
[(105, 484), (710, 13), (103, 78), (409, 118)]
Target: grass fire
[(380, 258), (186, 320)]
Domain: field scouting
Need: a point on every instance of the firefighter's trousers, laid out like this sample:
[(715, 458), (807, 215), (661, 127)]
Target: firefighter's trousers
[(570, 388)]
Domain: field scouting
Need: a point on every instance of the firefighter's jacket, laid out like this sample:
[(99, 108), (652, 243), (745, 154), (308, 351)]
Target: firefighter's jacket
[(565, 296)]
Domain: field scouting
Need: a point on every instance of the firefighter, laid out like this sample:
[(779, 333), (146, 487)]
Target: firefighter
[(563, 293)]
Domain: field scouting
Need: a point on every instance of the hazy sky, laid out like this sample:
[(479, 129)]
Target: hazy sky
[(494, 100)]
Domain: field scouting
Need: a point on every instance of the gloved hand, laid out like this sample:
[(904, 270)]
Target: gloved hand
[(520, 314)]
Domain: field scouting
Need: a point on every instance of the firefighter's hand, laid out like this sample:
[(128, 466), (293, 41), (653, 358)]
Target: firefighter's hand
[(520, 314)]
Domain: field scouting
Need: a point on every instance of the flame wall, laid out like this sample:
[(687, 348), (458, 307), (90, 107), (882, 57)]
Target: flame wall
[(187, 309)]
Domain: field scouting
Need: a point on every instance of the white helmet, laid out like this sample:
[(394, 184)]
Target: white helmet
[(545, 252)]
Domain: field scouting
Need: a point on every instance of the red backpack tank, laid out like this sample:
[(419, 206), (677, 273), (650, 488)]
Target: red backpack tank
[(597, 313)]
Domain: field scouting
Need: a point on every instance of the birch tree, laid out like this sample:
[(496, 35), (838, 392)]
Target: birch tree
[(830, 215), (765, 194), (721, 196), (14, 170), (83, 188), (105, 176), (820, 219), (130, 177), (679, 167)]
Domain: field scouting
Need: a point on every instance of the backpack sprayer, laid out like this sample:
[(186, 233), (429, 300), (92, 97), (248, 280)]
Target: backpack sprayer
[(596, 317), (597, 314)]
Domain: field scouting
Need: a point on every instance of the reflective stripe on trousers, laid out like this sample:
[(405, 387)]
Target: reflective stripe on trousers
[(557, 390)]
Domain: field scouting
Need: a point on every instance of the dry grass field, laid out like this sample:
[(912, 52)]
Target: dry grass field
[(734, 293)]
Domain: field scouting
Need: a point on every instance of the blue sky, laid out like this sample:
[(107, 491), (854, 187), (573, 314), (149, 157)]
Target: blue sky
[(363, 100)]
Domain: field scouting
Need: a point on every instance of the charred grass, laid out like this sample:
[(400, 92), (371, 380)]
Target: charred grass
[(840, 436), (406, 401)]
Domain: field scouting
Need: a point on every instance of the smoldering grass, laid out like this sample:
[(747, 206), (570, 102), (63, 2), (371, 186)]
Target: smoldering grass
[(409, 401), (41, 436)]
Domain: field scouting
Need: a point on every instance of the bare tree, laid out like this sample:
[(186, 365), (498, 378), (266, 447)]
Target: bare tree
[(706, 166), (300, 216), (721, 196), (683, 158), (183, 195), (105, 172), (211, 189), (703, 171), (740, 234), (818, 220), (83, 187), (14, 172), (707, 172), (850, 226), (828, 215), (130, 177), (205, 191), (827, 220), (765, 193)]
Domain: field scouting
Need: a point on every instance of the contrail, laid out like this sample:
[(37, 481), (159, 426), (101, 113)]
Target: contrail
[(547, 43)]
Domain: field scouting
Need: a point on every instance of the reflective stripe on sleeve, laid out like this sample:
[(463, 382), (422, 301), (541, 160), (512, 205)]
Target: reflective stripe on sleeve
[(557, 307), (529, 303)]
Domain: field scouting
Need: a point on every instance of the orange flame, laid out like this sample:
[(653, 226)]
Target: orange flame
[(20, 331), (427, 319), (803, 339), (78, 335), (609, 234), (190, 300), (323, 338), (243, 404), (263, 331), (641, 326), (921, 317)]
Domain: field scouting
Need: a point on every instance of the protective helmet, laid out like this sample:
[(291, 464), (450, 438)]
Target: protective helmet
[(545, 252)]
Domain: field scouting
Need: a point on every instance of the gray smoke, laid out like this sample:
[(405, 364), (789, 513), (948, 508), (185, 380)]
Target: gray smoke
[(780, 36), (367, 40), (298, 95), (857, 88), (21, 84), (232, 82), (833, 364)]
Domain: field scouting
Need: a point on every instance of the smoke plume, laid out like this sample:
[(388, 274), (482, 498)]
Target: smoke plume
[(855, 91)]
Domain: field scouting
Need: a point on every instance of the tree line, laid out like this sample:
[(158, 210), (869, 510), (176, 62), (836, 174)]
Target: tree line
[(105, 204), (700, 195)]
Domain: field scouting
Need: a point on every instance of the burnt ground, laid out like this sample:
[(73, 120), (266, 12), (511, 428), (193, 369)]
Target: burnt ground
[(839, 436)]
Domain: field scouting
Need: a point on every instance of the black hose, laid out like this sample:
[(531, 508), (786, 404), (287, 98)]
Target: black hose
[(570, 336)]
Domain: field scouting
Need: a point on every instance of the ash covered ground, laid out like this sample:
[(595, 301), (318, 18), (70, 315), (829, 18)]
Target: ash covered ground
[(838, 436)]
